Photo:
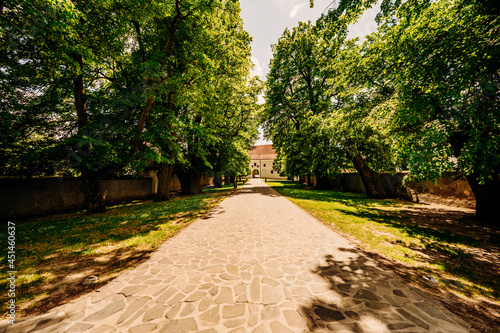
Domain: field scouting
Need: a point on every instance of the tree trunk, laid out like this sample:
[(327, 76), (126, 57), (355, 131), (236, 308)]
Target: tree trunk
[(371, 180), (79, 95), (190, 183), (227, 180), (91, 189), (232, 179), (198, 175), (186, 180), (197, 182), (487, 197), (164, 177), (309, 180), (488, 194), (217, 180), (323, 183)]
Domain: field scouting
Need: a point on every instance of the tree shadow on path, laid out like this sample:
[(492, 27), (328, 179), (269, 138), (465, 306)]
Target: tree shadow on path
[(366, 297), (258, 189)]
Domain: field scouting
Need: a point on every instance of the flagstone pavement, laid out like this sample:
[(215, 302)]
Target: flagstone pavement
[(255, 263)]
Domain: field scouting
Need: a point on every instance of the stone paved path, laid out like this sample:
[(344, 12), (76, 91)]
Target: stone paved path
[(256, 263)]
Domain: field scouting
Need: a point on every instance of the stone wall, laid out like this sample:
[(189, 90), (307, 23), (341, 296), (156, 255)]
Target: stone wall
[(26, 197), (392, 184), (451, 190), (175, 184)]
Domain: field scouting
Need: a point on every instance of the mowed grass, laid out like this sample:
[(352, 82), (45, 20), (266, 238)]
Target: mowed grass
[(464, 265), (55, 254)]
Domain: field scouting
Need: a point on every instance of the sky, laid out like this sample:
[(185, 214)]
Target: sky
[(266, 20)]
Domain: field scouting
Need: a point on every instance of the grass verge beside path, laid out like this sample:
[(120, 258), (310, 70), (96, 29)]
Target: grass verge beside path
[(415, 241), (54, 254)]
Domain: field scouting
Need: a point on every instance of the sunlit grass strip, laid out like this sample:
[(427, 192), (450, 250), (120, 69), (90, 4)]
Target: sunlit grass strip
[(63, 249), (376, 226)]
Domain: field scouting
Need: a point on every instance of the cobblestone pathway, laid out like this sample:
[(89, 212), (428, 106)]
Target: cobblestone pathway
[(257, 263)]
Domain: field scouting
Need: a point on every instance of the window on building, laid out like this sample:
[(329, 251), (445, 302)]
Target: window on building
[(271, 172), (264, 165), (255, 164)]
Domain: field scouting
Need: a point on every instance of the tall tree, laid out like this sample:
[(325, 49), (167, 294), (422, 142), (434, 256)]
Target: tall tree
[(357, 123), (297, 93), (109, 86), (447, 105), (220, 102), (54, 55), (443, 67), (235, 127), (322, 106)]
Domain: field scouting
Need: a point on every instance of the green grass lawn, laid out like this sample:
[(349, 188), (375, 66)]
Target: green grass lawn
[(413, 244), (54, 254)]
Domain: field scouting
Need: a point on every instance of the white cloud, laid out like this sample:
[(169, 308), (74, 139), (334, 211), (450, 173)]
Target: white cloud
[(296, 9), (261, 99), (257, 68), (261, 140), (365, 25)]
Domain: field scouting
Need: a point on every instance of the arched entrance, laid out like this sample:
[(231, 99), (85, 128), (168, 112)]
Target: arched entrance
[(255, 173)]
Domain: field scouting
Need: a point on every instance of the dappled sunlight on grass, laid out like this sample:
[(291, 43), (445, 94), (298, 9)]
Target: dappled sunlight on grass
[(414, 240), (54, 254)]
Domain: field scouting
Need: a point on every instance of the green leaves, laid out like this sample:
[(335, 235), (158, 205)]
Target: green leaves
[(296, 96), (429, 75), (421, 91), (441, 75), (186, 62), (324, 103)]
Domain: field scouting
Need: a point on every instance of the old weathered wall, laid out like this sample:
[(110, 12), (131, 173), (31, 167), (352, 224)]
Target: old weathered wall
[(126, 189), (22, 197), (175, 184), (451, 190), (25, 197)]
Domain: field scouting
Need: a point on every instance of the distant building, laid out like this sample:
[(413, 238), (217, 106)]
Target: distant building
[(262, 161)]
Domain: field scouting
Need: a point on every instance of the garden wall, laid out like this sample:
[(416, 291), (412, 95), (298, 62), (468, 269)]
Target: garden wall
[(25, 197), (451, 190)]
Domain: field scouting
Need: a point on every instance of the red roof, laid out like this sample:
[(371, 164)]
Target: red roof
[(262, 152)]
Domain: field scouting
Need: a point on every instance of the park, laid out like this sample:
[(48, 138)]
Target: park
[(156, 177)]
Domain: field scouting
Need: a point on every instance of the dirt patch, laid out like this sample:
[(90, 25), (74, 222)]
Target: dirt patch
[(454, 219)]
